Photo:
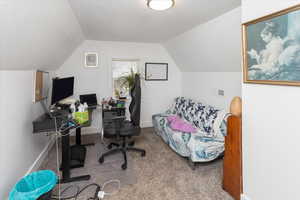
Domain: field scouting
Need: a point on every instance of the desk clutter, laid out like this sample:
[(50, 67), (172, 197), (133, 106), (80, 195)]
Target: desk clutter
[(66, 114), (110, 102), (80, 112)]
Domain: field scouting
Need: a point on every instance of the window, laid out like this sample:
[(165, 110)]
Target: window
[(121, 75)]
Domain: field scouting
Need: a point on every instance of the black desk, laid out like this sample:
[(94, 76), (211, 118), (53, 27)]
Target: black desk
[(67, 162), (87, 124), (79, 149), (72, 157), (108, 113)]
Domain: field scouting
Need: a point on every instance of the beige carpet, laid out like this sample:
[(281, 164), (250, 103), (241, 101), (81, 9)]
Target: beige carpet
[(164, 175)]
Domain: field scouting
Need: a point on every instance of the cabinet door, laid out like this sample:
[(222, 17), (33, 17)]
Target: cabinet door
[(232, 171), (110, 114)]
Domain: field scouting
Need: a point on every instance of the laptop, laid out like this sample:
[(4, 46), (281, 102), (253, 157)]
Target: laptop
[(90, 99)]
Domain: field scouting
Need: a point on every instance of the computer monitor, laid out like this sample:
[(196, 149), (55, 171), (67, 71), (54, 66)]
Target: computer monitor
[(61, 89)]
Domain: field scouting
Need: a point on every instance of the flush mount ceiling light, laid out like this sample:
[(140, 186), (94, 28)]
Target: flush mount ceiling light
[(160, 4)]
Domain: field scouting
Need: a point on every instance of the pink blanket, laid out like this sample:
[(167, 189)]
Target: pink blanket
[(178, 124)]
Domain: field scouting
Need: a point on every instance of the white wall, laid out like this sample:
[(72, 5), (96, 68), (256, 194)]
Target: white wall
[(210, 47), (270, 128), (210, 58), (156, 95), (18, 146), (37, 34), (204, 86)]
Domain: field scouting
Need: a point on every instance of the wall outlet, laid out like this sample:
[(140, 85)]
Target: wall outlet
[(221, 92)]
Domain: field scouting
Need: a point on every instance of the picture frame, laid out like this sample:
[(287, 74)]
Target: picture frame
[(156, 71), (91, 59), (271, 48), (41, 85)]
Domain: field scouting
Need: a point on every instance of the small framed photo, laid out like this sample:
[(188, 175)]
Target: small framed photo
[(156, 71), (91, 59)]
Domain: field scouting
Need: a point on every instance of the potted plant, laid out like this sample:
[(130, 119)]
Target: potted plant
[(127, 80)]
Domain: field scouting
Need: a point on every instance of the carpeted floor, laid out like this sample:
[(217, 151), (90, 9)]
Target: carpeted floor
[(162, 174)]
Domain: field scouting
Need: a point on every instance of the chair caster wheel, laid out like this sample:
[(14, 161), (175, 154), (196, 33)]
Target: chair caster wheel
[(143, 154), (101, 160), (124, 166), (109, 146)]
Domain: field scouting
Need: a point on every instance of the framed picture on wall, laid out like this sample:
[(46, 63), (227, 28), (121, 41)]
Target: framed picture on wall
[(91, 59), (271, 48), (156, 71), (42, 83)]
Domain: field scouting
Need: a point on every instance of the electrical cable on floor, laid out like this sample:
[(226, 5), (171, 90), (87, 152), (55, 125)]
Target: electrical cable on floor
[(71, 186), (76, 195), (99, 194), (102, 193)]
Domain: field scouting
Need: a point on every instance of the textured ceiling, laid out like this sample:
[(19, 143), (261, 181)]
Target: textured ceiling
[(132, 20)]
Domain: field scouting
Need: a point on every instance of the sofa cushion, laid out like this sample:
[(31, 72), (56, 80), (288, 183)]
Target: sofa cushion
[(204, 117)]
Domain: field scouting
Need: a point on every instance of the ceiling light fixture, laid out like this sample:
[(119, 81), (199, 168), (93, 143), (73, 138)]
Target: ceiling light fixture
[(160, 4)]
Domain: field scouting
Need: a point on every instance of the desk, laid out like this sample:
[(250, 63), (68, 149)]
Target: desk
[(87, 124), (79, 150), (108, 113), (68, 162), (72, 157)]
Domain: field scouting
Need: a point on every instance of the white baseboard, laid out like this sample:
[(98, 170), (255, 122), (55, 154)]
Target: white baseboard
[(146, 124), (37, 163), (244, 197)]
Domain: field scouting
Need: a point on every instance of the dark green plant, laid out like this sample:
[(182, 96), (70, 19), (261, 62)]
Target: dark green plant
[(127, 80)]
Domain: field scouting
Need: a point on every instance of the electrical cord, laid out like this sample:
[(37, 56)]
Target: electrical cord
[(71, 186), (99, 194), (76, 195), (66, 189), (102, 193)]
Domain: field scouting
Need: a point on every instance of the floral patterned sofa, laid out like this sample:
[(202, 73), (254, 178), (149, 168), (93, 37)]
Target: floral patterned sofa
[(207, 143)]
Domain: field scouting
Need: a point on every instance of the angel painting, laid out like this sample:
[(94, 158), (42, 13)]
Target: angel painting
[(273, 49)]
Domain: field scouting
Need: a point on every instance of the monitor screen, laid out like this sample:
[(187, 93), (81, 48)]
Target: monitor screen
[(61, 89), (90, 99)]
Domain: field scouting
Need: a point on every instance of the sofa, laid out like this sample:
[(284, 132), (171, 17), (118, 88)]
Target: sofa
[(203, 145)]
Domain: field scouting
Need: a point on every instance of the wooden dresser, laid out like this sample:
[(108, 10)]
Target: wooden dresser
[(232, 169)]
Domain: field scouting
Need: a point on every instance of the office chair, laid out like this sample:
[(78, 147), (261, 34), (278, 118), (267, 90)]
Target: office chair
[(121, 129)]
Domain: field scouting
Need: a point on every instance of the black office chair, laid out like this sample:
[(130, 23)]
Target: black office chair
[(120, 128)]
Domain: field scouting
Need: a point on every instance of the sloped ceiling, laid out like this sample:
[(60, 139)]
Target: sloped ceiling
[(214, 46), (37, 34), (41, 34), (133, 21)]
